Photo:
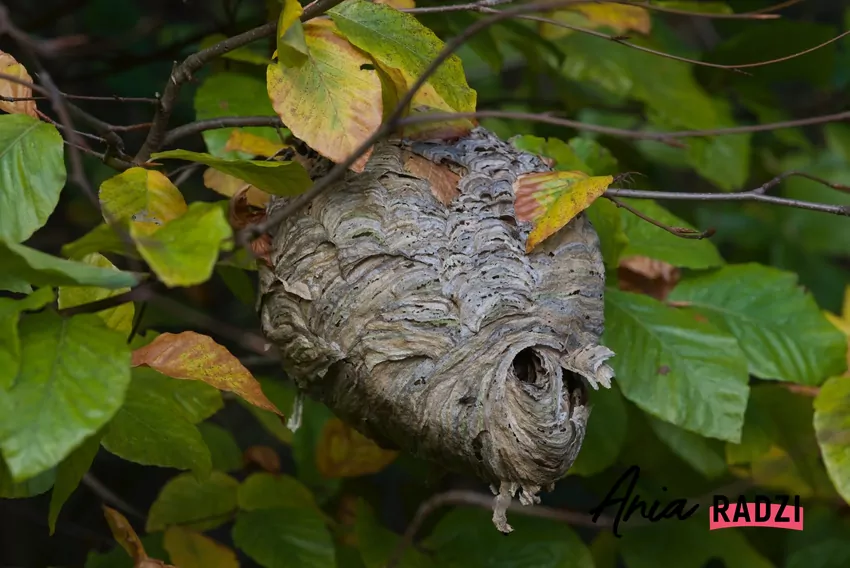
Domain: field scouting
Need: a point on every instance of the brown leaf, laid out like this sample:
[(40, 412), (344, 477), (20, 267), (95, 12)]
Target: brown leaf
[(648, 276), (192, 356), (342, 451), (263, 456), (443, 181), (124, 534), (261, 247), (229, 186), (9, 66), (240, 213)]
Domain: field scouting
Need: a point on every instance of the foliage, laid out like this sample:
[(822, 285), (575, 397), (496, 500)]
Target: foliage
[(129, 285)]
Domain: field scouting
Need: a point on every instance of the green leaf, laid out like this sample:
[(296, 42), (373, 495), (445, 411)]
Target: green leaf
[(183, 252), (190, 502), (700, 7), (196, 400), (281, 538), (466, 538), (278, 178), (224, 451), (233, 94), (143, 195), (565, 157), (119, 318), (606, 432), (832, 425), (776, 444), (688, 544), (10, 341), (398, 41), (102, 238), (152, 429), (41, 269), (704, 455), (646, 239), (377, 543), (69, 473), (282, 396), (778, 325), (675, 367), (597, 157), (267, 491), (73, 377), (32, 174), (10, 489), (605, 218)]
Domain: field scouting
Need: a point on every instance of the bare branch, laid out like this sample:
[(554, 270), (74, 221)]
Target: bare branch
[(183, 73), (224, 122), (683, 232)]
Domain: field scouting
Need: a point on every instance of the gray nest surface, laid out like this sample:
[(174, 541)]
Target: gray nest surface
[(428, 327)]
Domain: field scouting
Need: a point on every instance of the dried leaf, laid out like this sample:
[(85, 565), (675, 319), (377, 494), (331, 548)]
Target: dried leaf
[(124, 534), (263, 456), (342, 451), (9, 66), (191, 549), (240, 213), (646, 275), (333, 100), (551, 199), (443, 181), (228, 185), (243, 141), (192, 356)]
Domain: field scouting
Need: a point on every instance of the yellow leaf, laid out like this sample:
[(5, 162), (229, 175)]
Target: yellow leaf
[(191, 549), (243, 141), (843, 322), (192, 356), (551, 199), (120, 317), (619, 17), (124, 534), (342, 451), (291, 47), (329, 102), (229, 186), (141, 195), (9, 66)]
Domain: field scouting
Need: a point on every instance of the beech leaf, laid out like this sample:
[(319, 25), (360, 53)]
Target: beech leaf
[(119, 318), (229, 186), (550, 200), (276, 177), (124, 534), (342, 451), (10, 66), (190, 355), (201, 504), (243, 141), (291, 47), (141, 195), (332, 101), (191, 549)]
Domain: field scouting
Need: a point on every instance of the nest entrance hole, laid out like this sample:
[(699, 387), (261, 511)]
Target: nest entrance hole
[(528, 368)]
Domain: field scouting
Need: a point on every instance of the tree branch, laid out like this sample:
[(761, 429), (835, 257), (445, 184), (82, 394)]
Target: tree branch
[(183, 73), (683, 232), (483, 501)]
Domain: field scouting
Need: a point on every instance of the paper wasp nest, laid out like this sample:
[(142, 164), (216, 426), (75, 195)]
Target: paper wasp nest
[(426, 325)]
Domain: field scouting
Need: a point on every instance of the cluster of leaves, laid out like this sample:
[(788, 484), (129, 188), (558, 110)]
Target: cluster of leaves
[(726, 367)]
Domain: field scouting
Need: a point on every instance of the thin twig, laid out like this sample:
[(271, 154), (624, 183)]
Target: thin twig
[(683, 232), (483, 501), (183, 73), (109, 497)]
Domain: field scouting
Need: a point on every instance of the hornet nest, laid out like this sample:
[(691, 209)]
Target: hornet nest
[(420, 319)]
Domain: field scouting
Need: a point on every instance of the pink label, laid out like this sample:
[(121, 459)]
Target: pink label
[(779, 517)]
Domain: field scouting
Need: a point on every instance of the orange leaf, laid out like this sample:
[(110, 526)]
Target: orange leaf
[(9, 66), (192, 356), (124, 534), (443, 181), (342, 451), (263, 456), (550, 200), (333, 100), (241, 141), (648, 276)]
